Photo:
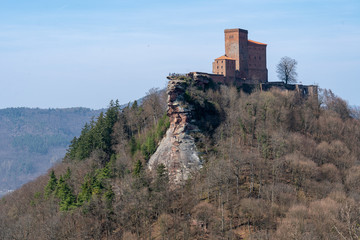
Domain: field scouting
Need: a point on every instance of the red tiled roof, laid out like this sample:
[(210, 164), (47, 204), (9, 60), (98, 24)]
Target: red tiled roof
[(224, 58), (257, 42)]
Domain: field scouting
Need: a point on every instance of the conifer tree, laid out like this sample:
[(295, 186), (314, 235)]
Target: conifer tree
[(65, 194), (51, 186), (138, 168)]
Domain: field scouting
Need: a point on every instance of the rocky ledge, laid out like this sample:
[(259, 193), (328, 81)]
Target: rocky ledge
[(177, 150)]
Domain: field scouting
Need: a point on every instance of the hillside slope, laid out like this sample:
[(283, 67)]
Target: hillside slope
[(32, 140), (275, 166)]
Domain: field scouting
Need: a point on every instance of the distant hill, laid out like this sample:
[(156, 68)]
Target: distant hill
[(33, 139)]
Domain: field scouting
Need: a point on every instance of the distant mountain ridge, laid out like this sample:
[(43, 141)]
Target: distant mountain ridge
[(33, 139)]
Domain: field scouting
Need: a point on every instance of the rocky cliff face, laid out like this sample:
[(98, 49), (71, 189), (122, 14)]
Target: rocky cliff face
[(177, 150)]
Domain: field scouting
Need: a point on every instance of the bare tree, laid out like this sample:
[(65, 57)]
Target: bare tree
[(286, 70)]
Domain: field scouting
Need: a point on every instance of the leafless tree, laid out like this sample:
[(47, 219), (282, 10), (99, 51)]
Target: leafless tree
[(286, 70)]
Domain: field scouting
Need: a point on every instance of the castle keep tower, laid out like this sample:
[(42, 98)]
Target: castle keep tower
[(249, 57), (236, 46)]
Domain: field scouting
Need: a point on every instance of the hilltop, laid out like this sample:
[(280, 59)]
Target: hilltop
[(272, 165)]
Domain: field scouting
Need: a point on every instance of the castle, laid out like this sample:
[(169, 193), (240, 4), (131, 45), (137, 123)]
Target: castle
[(244, 65), (244, 59)]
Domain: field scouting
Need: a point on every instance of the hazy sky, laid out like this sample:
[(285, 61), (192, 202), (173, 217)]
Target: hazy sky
[(64, 53)]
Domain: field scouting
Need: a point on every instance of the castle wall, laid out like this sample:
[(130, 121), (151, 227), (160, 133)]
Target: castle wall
[(257, 62), (202, 79), (303, 90), (224, 67), (258, 75), (219, 67), (230, 66), (217, 78)]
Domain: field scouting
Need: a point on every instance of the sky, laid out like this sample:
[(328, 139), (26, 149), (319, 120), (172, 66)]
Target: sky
[(62, 53)]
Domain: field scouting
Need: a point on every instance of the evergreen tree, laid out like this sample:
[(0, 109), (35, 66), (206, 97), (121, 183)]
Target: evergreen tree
[(51, 186), (65, 194), (96, 135), (162, 178), (86, 191), (138, 168), (134, 106)]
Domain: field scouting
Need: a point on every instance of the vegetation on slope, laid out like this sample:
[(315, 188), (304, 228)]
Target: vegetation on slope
[(31, 140), (276, 166)]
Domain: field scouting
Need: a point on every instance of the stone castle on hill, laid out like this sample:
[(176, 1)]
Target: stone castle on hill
[(244, 59), (244, 65)]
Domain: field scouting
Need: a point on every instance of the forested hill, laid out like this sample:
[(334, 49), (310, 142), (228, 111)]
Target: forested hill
[(275, 166), (33, 139)]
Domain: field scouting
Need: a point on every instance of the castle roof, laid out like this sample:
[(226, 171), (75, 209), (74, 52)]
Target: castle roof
[(257, 42), (224, 58)]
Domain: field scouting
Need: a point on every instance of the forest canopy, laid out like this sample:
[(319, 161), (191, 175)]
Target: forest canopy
[(276, 166)]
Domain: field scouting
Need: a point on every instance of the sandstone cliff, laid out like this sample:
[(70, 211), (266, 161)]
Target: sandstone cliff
[(177, 150)]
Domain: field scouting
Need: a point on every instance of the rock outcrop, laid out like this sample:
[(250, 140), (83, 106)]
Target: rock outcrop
[(177, 150)]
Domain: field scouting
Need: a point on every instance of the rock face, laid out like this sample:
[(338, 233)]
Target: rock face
[(177, 150)]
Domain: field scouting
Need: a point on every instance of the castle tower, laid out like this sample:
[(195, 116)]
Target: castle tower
[(236, 47), (248, 57)]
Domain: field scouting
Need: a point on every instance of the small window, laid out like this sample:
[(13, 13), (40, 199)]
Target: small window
[(221, 67)]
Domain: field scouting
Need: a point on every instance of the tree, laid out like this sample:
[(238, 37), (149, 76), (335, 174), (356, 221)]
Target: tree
[(65, 194), (51, 186), (138, 168), (286, 70), (97, 135)]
